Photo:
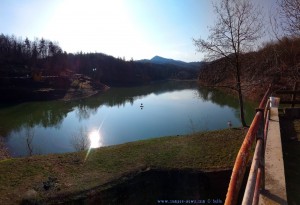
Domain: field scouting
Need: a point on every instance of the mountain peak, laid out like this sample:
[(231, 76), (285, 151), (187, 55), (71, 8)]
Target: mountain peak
[(161, 60)]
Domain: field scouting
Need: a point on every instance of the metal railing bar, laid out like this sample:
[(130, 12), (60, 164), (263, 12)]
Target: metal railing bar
[(266, 110), (265, 98), (257, 171), (257, 186), (240, 165), (239, 168), (249, 191)]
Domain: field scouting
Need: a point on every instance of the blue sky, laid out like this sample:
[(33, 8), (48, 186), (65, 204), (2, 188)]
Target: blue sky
[(138, 29)]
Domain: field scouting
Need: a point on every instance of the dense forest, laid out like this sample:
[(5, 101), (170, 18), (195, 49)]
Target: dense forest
[(20, 58)]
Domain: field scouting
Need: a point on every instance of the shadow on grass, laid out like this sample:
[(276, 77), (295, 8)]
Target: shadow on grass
[(164, 187)]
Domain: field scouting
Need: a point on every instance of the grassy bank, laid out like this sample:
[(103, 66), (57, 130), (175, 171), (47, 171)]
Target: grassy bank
[(3, 150), (70, 173)]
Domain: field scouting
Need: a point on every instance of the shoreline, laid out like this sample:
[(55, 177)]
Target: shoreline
[(73, 94), (72, 174), (4, 154), (49, 94), (254, 95)]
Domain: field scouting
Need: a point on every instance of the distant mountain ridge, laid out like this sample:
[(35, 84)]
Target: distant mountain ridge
[(162, 60)]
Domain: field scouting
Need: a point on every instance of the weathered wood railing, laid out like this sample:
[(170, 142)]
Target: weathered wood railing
[(293, 92), (257, 130)]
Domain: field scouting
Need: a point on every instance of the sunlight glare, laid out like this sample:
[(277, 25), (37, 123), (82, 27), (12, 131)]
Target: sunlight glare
[(92, 25), (95, 139)]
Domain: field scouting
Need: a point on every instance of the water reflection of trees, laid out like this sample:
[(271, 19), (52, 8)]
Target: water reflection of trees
[(217, 97), (29, 134), (121, 96), (222, 99), (45, 114), (52, 113), (84, 111)]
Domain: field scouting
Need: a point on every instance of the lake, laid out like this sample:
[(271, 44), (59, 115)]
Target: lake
[(117, 116)]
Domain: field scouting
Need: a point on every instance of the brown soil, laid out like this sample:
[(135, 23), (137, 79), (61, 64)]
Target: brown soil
[(3, 150)]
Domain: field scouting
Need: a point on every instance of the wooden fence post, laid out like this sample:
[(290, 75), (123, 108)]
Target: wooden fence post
[(294, 95)]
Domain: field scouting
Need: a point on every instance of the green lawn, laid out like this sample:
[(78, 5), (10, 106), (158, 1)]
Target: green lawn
[(208, 151)]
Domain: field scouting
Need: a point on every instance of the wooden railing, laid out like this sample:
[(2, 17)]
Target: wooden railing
[(293, 92), (257, 130)]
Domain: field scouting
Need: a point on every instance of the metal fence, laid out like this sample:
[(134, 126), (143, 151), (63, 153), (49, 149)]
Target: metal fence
[(257, 130)]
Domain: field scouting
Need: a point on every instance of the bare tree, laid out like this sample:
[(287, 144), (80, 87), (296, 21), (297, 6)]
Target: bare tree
[(236, 31), (192, 125), (29, 134), (285, 19), (80, 140), (285, 24), (289, 14)]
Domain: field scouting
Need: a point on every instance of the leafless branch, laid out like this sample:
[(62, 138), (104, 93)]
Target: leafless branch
[(29, 134), (80, 140), (289, 16), (238, 27)]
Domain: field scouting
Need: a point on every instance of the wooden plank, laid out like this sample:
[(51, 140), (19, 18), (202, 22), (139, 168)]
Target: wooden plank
[(288, 92), (294, 95), (289, 102)]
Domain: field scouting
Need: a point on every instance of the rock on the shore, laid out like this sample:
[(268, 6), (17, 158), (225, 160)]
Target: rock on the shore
[(30, 196)]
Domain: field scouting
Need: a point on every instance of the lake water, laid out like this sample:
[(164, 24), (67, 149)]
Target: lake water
[(168, 108)]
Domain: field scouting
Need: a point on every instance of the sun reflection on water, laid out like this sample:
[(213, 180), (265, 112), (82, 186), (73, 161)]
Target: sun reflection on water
[(95, 139)]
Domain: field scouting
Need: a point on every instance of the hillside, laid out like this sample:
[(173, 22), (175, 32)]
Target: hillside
[(178, 63), (41, 70), (25, 58), (276, 62)]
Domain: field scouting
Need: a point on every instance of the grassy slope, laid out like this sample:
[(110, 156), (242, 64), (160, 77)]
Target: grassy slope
[(3, 150), (201, 151)]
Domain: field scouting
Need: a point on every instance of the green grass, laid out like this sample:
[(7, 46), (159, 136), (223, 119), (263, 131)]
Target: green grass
[(209, 151)]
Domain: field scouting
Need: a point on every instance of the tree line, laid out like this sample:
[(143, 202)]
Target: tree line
[(18, 52), (21, 56)]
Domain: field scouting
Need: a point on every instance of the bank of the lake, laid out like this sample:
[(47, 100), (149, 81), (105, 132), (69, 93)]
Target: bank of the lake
[(47, 88), (4, 154), (62, 177)]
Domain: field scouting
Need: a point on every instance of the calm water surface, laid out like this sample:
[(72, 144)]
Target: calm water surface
[(168, 108)]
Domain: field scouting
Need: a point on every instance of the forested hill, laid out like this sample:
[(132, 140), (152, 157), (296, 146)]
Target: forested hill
[(277, 62), (22, 57)]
